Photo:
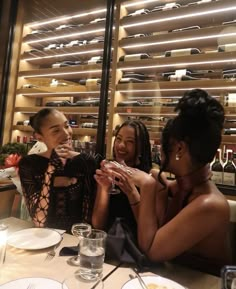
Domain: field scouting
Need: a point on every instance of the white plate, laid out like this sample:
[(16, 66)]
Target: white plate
[(34, 238), (160, 282), (39, 283)]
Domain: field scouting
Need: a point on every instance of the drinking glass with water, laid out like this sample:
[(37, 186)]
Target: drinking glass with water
[(79, 230), (92, 254)]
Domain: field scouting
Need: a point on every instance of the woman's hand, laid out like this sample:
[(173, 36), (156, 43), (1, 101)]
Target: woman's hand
[(103, 179), (65, 151), (135, 176)]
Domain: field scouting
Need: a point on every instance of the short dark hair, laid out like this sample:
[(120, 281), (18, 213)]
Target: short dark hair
[(36, 121), (142, 143), (199, 124)]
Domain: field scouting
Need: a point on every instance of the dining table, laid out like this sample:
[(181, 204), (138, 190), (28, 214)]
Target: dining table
[(21, 263)]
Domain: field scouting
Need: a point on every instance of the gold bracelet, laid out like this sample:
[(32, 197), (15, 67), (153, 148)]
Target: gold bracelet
[(135, 203)]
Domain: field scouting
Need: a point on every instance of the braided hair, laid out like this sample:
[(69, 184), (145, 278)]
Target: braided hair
[(142, 144)]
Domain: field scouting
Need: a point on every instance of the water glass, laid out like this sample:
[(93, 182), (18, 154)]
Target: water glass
[(3, 242), (92, 254), (79, 230)]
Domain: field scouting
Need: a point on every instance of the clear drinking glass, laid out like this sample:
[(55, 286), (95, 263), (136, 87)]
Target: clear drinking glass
[(92, 254), (110, 164), (79, 230), (3, 243)]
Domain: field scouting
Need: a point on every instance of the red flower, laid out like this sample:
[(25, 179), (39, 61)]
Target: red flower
[(12, 160)]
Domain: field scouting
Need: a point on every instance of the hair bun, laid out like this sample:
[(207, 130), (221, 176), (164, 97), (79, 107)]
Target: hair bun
[(197, 106)]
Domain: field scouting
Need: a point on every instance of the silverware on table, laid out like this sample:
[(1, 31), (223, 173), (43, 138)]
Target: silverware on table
[(142, 283), (52, 253), (30, 286)]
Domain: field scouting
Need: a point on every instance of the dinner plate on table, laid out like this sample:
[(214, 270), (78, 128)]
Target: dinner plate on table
[(34, 238), (36, 283), (153, 282)]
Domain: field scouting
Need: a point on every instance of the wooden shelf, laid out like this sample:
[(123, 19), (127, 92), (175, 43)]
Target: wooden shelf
[(51, 56), (146, 5), (76, 131), (87, 32), (207, 61), (198, 38), (70, 90), (144, 110), (159, 89), (180, 17), (80, 71), (85, 17), (35, 68), (66, 110)]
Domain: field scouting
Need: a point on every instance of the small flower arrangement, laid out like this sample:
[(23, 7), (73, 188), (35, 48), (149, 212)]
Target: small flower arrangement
[(11, 153)]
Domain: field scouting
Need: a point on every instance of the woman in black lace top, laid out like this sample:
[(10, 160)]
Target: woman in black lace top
[(58, 184)]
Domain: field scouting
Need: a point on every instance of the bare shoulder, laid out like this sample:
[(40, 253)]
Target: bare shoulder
[(209, 200)]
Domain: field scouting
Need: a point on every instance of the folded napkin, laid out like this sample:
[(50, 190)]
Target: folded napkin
[(69, 251)]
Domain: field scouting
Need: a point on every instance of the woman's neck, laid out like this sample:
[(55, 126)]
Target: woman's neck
[(198, 176)]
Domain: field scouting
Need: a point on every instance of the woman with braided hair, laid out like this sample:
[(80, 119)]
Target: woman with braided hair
[(131, 147)]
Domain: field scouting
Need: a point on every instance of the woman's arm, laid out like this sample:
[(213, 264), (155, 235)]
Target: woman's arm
[(36, 191), (101, 205), (36, 188), (191, 225)]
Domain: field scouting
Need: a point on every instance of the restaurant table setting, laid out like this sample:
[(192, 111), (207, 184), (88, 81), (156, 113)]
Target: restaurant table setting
[(27, 266)]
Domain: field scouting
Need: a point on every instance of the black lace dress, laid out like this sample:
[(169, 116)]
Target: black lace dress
[(59, 207)]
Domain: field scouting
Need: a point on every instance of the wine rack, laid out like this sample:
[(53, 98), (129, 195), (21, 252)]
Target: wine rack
[(193, 39), (57, 56), (171, 49)]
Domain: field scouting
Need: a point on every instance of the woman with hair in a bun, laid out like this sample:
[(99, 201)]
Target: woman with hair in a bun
[(57, 184), (185, 219)]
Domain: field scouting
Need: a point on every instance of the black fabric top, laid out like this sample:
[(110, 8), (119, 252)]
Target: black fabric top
[(60, 206), (119, 207)]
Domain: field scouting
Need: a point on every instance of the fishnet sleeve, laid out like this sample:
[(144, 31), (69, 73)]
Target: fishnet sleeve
[(36, 188)]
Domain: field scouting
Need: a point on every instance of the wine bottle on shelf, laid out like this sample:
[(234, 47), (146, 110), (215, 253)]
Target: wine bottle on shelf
[(217, 169), (229, 169), (230, 131)]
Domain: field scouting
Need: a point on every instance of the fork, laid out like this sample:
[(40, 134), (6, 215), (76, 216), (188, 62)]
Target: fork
[(52, 253), (141, 282), (30, 286)]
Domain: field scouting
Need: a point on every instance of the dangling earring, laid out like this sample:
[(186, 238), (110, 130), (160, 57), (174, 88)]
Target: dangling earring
[(177, 157)]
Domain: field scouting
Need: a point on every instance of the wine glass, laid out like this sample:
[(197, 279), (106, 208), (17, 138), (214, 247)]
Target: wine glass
[(79, 230), (110, 164)]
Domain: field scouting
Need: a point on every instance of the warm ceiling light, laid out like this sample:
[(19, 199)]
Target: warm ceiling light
[(63, 54), (208, 12), (60, 19), (140, 113), (180, 40), (58, 93), (175, 89), (139, 3), (65, 35), (181, 64), (60, 73)]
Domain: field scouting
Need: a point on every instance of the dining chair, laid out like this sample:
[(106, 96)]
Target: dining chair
[(7, 198)]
